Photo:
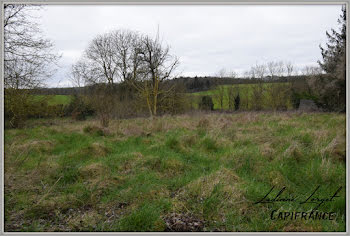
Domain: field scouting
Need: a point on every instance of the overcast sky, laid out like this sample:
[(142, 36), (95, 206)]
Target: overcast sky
[(205, 38)]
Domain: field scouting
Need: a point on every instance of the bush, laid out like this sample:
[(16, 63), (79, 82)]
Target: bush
[(91, 129), (258, 96), (174, 101), (78, 115), (206, 103), (17, 107), (78, 108), (237, 102)]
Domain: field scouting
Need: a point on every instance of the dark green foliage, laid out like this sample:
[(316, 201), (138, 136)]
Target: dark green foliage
[(78, 108), (333, 88), (237, 102), (335, 51), (206, 103), (174, 101)]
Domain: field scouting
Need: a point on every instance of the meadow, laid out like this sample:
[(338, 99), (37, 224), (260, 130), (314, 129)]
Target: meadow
[(191, 172), (245, 92), (53, 99)]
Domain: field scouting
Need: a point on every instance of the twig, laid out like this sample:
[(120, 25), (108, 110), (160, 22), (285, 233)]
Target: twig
[(42, 198)]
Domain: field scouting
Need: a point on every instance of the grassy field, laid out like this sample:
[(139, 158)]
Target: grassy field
[(245, 92), (199, 172), (54, 99)]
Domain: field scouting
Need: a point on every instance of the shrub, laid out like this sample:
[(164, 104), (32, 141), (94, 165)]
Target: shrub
[(78, 108), (78, 115), (91, 129), (258, 96), (17, 107), (237, 102), (206, 103)]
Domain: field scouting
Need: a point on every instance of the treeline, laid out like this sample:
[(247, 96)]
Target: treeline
[(190, 84)]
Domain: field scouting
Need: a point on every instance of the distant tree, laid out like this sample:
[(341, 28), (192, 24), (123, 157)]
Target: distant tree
[(206, 103), (223, 73), (79, 74), (289, 68), (259, 70), (237, 102), (272, 67), (280, 68), (311, 70)]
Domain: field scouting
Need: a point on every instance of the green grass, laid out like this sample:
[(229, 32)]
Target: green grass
[(209, 168), (54, 99), (245, 92)]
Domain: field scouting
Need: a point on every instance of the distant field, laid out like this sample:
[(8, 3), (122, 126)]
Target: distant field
[(245, 92), (181, 173), (54, 99)]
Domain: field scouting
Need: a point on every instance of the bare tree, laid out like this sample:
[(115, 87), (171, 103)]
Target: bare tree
[(102, 53), (79, 74), (259, 71), (232, 74), (289, 68), (247, 74), (28, 59), (311, 70), (272, 67), (280, 68), (126, 56), (156, 64), (258, 89), (221, 73), (127, 44)]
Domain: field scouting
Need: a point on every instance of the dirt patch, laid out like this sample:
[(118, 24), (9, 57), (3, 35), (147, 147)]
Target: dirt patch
[(183, 223)]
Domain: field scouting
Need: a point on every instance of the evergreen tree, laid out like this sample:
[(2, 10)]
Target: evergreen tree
[(331, 89), (237, 102), (334, 53)]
